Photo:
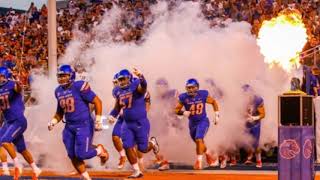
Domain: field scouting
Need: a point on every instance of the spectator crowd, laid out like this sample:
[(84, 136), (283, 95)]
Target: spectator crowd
[(24, 36)]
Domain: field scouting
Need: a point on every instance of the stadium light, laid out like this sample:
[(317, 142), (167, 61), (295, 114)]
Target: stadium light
[(52, 37)]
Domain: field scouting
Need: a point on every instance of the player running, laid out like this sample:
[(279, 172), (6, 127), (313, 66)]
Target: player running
[(15, 124), (255, 114), (116, 132), (130, 98), (73, 99), (194, 101)]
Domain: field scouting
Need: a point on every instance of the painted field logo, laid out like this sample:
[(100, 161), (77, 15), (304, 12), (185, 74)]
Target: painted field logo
[(307, 149), (289, 149)]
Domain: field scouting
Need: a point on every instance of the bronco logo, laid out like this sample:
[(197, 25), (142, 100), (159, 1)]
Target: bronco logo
[(307, 149), (289, 149)]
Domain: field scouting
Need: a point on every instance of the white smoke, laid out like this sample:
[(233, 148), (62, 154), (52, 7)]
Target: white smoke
[(178, 45)]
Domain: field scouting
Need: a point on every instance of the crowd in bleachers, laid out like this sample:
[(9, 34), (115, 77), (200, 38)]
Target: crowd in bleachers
[(24, 36)]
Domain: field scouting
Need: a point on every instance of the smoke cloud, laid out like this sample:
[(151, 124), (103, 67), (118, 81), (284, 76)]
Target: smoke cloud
[(179, 45)]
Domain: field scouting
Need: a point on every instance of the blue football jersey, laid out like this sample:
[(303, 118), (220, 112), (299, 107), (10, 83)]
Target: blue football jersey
[(74, 101), (131, 101), (11, 102), (196, 105)]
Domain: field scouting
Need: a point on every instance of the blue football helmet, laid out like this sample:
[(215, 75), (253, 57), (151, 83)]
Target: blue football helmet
[(192, 87), (124, 78), (115, 80), (8, 64), (66, 75), (4, 75)]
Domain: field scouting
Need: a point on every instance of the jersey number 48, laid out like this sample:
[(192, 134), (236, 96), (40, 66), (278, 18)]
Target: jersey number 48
[(196, 109)]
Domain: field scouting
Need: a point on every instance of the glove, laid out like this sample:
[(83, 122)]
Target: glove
[(216, 118), (98, 123), (253, 118), (52, 123), (137, 72), (186, 113), (111, 119)]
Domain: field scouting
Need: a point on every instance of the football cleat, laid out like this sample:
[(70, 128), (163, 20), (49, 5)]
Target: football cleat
[(104, 156), (164, 165), (248, 162), (135, 175), (259, 164), (17, 173), (197, 165), (122, 162), (211, 162)]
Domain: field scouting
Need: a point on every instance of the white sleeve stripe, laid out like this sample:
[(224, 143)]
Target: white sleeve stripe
[(84, 86)]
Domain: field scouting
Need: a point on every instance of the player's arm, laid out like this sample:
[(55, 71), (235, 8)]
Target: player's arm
[(142, 87), (17, 87), (98, 112), (147, 100), (178, 110), (58, 116), (214, 103), (114, 112), (97, 105), (261, 112), (315, 90)]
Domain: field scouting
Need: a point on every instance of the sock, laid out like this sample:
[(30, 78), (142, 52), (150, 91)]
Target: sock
[(122, 153), (16, 162), (85, 175), (207, 152), (199, 157), (258, 157), (5, 166), (136, 167), (140, 160), (34, 166), (99, 150)]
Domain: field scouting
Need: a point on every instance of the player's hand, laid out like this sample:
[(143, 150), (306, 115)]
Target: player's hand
[(186, 113), (50, 126), (253, 118), (111, 119), (137, 72), (98, 123), (98, 126), (52, 123), (216, 118)]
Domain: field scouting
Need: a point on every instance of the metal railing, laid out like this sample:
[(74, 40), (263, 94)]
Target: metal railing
[(311, 57)]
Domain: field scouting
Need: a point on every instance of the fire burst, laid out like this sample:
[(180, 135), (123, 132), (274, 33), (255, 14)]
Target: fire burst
[(282, 38)]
